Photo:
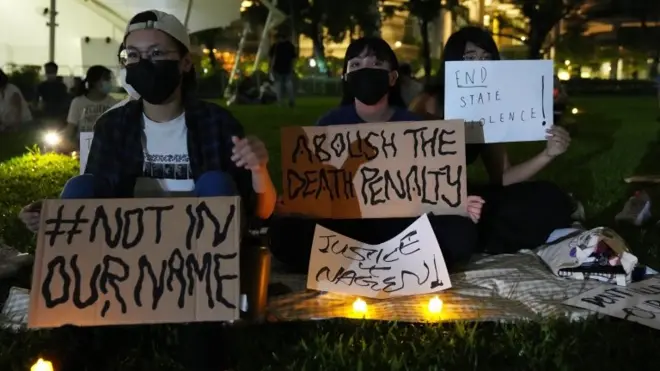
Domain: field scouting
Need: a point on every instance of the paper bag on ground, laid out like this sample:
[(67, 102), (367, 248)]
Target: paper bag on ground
[(409, 264), (599, 254), (136, 261)]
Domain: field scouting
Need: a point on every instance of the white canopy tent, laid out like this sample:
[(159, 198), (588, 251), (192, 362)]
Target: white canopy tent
[(90, 31)]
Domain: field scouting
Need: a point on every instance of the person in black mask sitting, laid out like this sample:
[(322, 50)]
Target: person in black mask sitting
[(170, 143), (371, 93)]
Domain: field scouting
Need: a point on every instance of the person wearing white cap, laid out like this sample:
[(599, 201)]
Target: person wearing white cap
[(164, 141)]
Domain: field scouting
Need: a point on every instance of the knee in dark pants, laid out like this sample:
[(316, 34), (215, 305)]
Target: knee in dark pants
[(290, 241), (522, 216), (457, 237)]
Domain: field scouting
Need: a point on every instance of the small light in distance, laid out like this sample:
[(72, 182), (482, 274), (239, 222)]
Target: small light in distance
[(575, 111), (52, 139), (397, 44), (312, 62)]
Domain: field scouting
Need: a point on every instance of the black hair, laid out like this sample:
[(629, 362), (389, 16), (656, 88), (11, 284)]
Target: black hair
[(4, 79), (405, 69), (455, 46), (379, 48), (454, 50), (51, 66), (94, 75), (189, 79)]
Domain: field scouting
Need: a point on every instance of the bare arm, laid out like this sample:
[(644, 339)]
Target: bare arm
[(500, 170)]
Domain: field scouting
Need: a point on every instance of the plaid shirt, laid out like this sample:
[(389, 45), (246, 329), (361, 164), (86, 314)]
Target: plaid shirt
[(116, 157)]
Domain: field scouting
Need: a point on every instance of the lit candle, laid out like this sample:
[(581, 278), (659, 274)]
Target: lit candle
[(435, 305), (42, 365), (360, 306)]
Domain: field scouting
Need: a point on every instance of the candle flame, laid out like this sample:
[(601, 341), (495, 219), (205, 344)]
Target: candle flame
[(435, 305), (360, 306), (42, 365)]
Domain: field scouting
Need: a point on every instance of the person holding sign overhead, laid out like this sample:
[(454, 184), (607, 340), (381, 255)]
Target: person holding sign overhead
[(371, 93), (519, 213)]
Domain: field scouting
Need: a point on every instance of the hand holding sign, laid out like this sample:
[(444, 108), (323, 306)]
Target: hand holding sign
[(474, 206), (30, 215), (250, 153), (558, 141)]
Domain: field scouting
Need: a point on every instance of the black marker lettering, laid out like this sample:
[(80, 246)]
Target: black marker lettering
[(176, 264), (220, 278), (60, 263), (111, 279), (77, 283), (320, 153), (159, 218), (301, 149), (59, 221), (139, 213), (203, 273), (100, 216), (157, 285)]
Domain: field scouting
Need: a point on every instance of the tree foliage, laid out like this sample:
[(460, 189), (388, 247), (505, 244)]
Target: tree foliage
[(541, 17), (425, 12)]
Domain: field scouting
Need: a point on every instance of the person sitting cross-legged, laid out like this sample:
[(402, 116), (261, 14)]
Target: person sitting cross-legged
[(169, 143)]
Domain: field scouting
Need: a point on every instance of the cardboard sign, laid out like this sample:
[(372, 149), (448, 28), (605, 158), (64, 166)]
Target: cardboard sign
[(500, 101), (409, 264), (136, 261), (85, 144), (381, 170), (639, 302)]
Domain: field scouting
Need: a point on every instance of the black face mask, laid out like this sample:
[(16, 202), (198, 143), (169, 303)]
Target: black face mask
[(369, 85), (154, 81)]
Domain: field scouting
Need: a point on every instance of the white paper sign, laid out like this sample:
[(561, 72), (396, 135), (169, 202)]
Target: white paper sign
[(500, 101), (408, 264), (639, 302), (85, 142)]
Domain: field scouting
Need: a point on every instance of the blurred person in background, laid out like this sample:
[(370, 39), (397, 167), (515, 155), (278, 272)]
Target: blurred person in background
[(282, 62), (91, 101), (52, 95), (77, 86), (14, 110), (410, 87)]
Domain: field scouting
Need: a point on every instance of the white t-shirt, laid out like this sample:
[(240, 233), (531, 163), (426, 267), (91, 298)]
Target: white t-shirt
[(166, 169), (7, 116), (84, 112)]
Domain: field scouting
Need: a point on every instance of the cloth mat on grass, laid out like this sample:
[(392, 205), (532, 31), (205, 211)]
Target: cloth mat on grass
[(491, 288)]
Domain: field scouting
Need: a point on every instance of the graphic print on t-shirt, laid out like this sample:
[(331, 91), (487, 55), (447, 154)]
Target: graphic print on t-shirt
[(166, 170), (170, 166), (90, 114)]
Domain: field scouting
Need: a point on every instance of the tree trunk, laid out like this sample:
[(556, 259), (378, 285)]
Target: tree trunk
[(535, 44), (210, 45), (319, 49), (426, 48)]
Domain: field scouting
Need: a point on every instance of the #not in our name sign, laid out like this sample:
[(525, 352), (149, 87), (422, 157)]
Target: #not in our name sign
[(136, 261), (500, 101), (380, 170), (409, 264)]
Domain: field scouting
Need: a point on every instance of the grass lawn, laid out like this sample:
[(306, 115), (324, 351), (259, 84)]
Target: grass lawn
[(613, 138)]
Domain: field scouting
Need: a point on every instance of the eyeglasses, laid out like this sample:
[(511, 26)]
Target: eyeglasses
[(131, 55), (477, 57)]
